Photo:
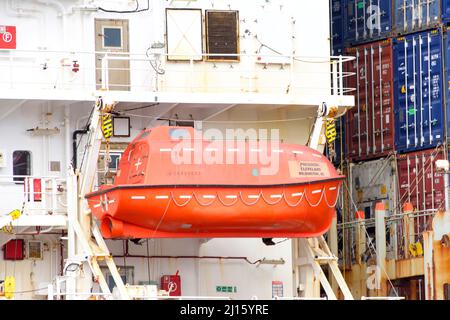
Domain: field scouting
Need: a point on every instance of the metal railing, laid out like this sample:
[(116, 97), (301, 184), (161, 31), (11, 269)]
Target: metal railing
[(36, 195), (126, 71), (402, 230)]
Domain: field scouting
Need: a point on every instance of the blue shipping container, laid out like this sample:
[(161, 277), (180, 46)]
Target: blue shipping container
[(367, 20), (416, 15), (418, 76), (337, 27), (445, 10), (446, 85)]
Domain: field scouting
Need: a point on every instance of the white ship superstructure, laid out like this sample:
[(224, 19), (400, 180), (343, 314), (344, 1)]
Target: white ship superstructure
[(211, 64)]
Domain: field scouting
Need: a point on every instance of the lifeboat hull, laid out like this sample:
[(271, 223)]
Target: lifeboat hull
[(295, 211)]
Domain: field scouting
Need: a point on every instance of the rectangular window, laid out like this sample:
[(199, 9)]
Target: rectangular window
[(184, 34), (21, 164), (222, 35), (112, 37), (126, 273), (121, 126)]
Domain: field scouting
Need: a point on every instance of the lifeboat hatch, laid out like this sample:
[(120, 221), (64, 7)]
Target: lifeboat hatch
[(138, 163)]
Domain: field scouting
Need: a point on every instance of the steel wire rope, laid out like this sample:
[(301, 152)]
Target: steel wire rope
[(373, 248), (148, 262), (228, 205), (184, 204), (253, 203), (136, 10), (298, 202), (125, 259), (335, 202), (120, 112), (384, 270), (162, 216), (272, 203), (320, 200), (203, 204), (262, 45), (419, 176)]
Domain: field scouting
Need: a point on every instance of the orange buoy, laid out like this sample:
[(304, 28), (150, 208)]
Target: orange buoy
[(174, 183)]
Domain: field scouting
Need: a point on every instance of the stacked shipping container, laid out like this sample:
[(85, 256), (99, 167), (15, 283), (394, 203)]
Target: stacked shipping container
[(370, 127), (402, 59), (419, 102), (337, 27)]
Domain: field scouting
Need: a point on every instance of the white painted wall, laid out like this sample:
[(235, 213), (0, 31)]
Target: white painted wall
[(43, 29)]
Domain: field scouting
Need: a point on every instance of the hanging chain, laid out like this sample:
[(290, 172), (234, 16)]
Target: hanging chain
[(107, 130)]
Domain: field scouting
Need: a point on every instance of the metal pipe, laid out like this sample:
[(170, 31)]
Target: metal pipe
[(405, 56), (358, 103), (366, 89), (380, 66), (61, 256), (372, 83), (186, 257), (74, 145), (422, 138), (414, 90), (446, 187)]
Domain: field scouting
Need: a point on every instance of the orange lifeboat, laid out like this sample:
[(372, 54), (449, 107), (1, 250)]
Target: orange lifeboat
[(174, 183)]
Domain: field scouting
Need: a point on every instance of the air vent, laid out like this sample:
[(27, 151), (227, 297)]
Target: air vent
[(222, 34), (35, 250)]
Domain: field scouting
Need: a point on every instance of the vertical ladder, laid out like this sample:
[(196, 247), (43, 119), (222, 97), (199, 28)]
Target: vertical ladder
[(86, 245), (309, 255)]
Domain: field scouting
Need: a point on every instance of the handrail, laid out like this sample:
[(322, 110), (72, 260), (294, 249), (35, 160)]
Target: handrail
[(53, 70)]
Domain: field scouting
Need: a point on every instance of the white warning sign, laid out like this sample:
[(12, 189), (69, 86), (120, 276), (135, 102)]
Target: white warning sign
[(308, 169)]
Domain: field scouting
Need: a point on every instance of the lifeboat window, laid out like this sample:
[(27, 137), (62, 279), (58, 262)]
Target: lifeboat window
[(21, 164), (176, 133)]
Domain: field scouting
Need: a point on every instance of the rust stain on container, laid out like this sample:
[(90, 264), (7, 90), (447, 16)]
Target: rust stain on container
[(419, 181), (370, 125), (441, 253)]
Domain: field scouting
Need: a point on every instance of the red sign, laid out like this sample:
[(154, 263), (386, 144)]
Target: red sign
[(7, 37), (172, 284)]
